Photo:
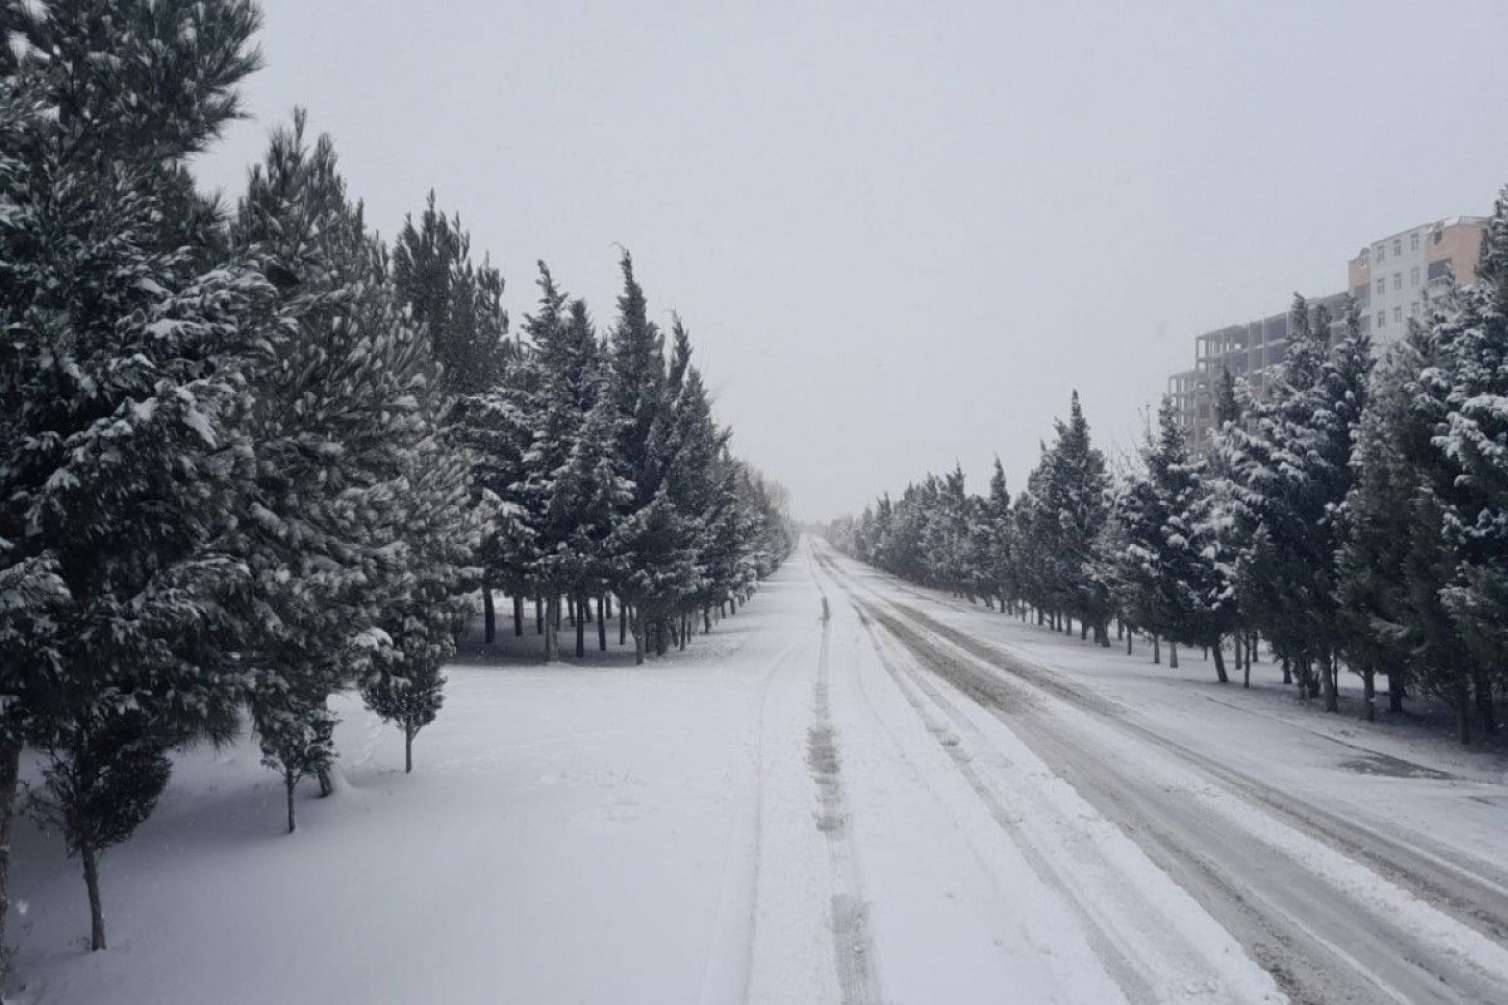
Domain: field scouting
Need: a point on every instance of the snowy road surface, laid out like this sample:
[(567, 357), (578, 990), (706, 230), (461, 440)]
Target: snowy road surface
[(918, 801)]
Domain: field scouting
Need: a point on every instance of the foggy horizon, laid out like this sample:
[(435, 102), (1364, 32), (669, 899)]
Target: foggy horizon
[(932, 224)]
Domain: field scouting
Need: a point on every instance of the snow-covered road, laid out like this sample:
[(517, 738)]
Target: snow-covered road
[(919, 800), (1333, 906)]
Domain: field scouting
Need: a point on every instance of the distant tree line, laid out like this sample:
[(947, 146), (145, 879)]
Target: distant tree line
[(1355, 519), (253, 457)]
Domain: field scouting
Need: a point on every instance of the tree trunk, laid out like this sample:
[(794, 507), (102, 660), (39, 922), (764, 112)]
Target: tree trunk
[(552, 624), (518, 617), (96, 910), (1331, 669), (326, 786), (1083, 629), (706, 621), (571, 609), (290, 782), (489, 615), (607, 604), (638, 639), (602, 623), (1172, 655), (1130, 634), (1395, 694), (1156, 649), (581, 606), (1369, 694), (1287, 671), (1463, 713), (622, 622), (10, 775), (1120, 629), (408, 750), (1246, 674), (1253, 655), (539, 615), (1219, 663)]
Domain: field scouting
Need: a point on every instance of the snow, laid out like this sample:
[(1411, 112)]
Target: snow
[(788, 811)]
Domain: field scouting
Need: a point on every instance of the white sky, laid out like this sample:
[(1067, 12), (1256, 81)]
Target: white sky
[(900, 234)]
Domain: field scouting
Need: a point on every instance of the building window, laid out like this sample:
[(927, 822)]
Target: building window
[(1414, 241), (1381, 252), (1397, 315), (1382, 318), (1397, 280), (1382, 284), (1414, 276), (1414, 309), (1397, 245)]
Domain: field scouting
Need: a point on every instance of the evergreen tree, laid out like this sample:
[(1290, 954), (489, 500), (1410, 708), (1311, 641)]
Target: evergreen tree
[(1472, 385), (654, 560), (123, 397), (1075, 505), (1293, 474), (337, 419)]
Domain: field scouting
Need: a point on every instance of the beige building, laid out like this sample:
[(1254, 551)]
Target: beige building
[(1390, 278)]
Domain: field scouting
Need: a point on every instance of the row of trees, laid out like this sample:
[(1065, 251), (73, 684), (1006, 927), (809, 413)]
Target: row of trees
[(1356, 518), (249, 459)]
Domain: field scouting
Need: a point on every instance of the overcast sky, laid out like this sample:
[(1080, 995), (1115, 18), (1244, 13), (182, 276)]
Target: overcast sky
[(901, 234)]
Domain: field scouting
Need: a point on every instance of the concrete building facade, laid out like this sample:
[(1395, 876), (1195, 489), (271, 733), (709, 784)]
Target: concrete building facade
[(1249, 351), (1392, 277)]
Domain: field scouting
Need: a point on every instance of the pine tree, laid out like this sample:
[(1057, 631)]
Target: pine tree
[(1001, 536), (1373, 561), (1472, 341), (98, 786), (655, 562), (428, 606), (336, 420), (122, 401), (1292, 475), (1076, 505)]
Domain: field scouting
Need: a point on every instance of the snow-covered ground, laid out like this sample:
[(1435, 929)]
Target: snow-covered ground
[(919, 801)]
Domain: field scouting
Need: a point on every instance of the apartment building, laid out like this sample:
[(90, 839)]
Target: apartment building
[(1390, 278)]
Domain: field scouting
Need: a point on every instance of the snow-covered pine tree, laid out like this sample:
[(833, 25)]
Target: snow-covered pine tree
[(1000, 530), (337, 417), (1076, 500), (454, 301), (1292, 474), (696, 475), (1196, 558), (122, 400), (1377, 635), (456, 306), (429, 603), (562, 487), (655, 564), (1473, 344)]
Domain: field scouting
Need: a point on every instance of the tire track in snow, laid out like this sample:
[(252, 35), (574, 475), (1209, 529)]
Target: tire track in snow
[(1117, 962), (853, 947)]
